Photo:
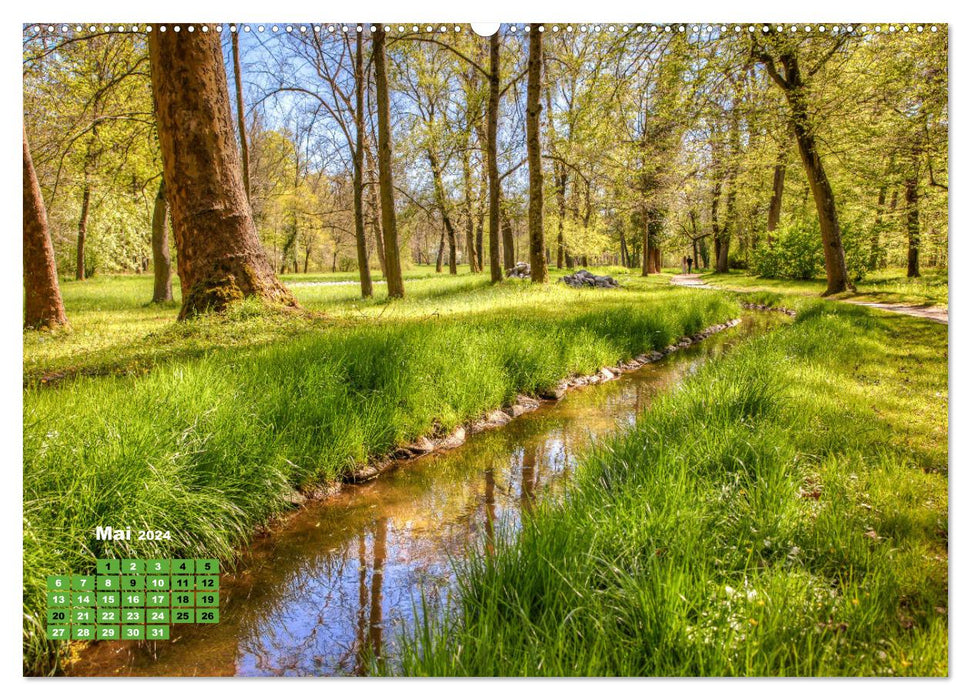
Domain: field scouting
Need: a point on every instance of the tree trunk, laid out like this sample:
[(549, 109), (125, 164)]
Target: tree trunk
[(775, 204), (43, 306), (730, 226), (442, 203), (161, 260), (363, 265), (913, 225), (877, 228), (539, 272), (220, 258), (837, 278), (492, 158), (440, 256), (240, 115), (561, 206), (396, 287), (79, 271), (470, 249), (375, 208)]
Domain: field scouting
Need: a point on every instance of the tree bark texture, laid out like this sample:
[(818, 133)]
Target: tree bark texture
[(220, 258), (396, 287), (161, 260), (43, 306), (363, 264)]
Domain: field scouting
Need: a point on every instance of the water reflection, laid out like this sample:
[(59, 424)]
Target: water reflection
[(325, 594)]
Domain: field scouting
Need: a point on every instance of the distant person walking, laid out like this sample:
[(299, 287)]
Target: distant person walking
[(689, 263)]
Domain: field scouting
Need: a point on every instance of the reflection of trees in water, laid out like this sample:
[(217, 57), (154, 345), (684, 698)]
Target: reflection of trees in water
[(307, 609), (369, 633)]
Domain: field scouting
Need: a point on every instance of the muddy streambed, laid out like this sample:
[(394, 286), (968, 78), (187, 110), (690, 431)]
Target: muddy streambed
[(341, 577)]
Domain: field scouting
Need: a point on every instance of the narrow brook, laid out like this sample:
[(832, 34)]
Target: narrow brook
[(338, 580)]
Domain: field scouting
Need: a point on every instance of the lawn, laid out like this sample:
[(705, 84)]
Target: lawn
[(891, 286), (205, 428), (785, 512), (114, 330)]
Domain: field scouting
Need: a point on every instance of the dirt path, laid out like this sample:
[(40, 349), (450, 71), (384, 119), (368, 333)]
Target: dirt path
[(931, 313)]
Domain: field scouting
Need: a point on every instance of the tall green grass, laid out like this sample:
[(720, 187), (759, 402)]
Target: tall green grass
[(783, 513), (211, 448)]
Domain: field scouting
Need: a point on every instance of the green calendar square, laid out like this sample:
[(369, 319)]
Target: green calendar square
[(109, 566), (207, 599), (207, 616), (109, 599), (58, 632), (108, 632), (132, 583), (183, 583), (157, 632), (58, 599), (157, 599), (84, 599), (109, 583), (183, 599), (82, 616), (108, 617), (83, 632), (58, 616), (134, 616), (183, 566), (82, 582), (158, 566), (207, 583), (132, 566), (58, 583), (158, 616), (132, 632), (207, 566), (182, 617), (131, 599), (156, 583)]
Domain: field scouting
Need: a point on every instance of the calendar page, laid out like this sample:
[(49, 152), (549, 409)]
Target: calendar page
[(554, 348)]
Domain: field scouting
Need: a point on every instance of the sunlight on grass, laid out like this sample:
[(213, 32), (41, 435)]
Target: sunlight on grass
[(884, 286), (785, 512)]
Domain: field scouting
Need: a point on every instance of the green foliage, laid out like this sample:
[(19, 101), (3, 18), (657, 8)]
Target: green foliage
[(796, 253), (784, 513)]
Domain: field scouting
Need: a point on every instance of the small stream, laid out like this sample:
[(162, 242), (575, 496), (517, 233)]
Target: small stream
[(339, 578)]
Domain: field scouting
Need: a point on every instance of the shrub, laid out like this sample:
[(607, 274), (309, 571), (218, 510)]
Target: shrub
[(796, 253)]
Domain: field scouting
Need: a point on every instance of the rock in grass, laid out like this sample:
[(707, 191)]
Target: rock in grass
[(583, 278), (520, 271)]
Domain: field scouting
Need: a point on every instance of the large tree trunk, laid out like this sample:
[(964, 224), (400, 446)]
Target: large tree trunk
[(539, 272), (43, 306), (161, 260), (220, 258), (363, 265), (913, 225), (240, 114), (442, 203), (492, 158), (837, 278), (79, 271), (396, 287)]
